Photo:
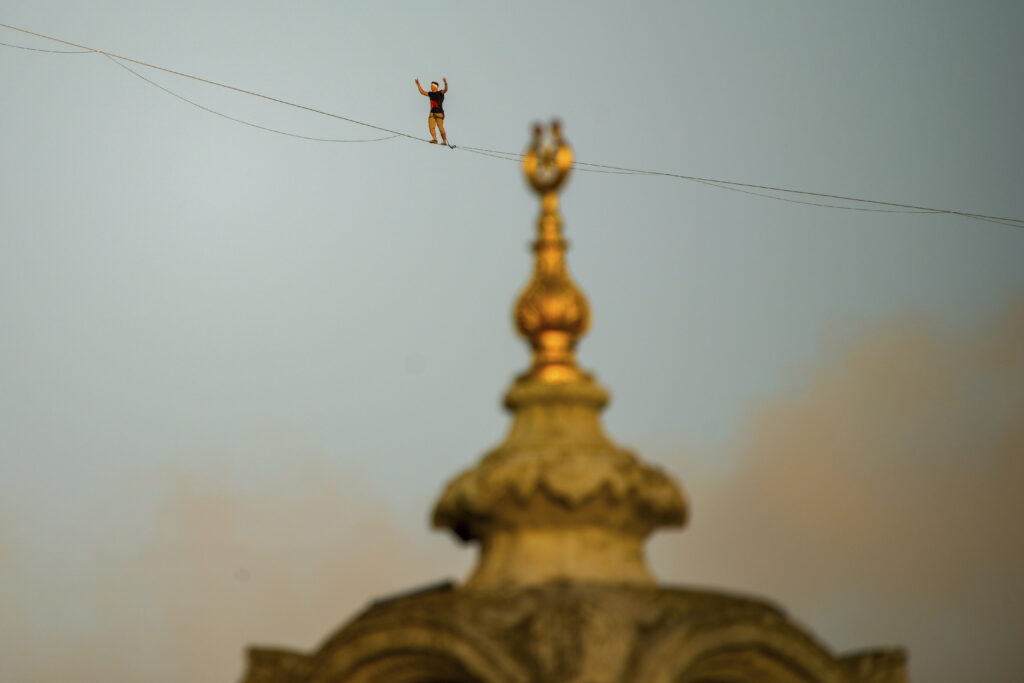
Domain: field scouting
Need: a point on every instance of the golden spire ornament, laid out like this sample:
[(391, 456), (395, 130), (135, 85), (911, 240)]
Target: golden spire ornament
[(552, 312), (557, 499)]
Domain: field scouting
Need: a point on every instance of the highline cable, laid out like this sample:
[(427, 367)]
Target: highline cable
[(745, 188)]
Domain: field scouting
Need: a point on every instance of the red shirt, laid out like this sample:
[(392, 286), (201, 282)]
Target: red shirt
[(436, 98)]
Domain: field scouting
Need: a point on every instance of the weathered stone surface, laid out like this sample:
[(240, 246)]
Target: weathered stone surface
[(571, 632), (876, 666), (557, 499)]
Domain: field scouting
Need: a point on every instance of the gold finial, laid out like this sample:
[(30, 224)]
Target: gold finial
[(551, 312), (557, 500)]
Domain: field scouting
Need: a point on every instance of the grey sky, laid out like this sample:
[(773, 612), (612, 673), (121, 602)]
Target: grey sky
[(183, 296)]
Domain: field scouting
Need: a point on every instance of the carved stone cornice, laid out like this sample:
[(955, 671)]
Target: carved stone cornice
[(571, 632)]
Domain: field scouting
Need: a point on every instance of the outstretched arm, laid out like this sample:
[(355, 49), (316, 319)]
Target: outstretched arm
[(422, 91), (445, 84)]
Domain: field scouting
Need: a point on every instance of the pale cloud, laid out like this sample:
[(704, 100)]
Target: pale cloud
[(880, 502), (222, 565)]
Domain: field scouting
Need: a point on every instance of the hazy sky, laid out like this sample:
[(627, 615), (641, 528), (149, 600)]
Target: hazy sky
[(236, 368)]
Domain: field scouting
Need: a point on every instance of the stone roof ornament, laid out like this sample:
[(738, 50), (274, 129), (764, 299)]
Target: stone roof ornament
[(557, 500)]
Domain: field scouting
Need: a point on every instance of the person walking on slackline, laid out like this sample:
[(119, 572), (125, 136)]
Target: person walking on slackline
[(436, 116)]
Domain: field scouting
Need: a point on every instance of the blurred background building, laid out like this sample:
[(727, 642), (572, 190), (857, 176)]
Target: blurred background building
[(561, 591)]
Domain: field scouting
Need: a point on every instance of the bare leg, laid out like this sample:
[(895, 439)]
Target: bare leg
[(433, 133), (440, 124)]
